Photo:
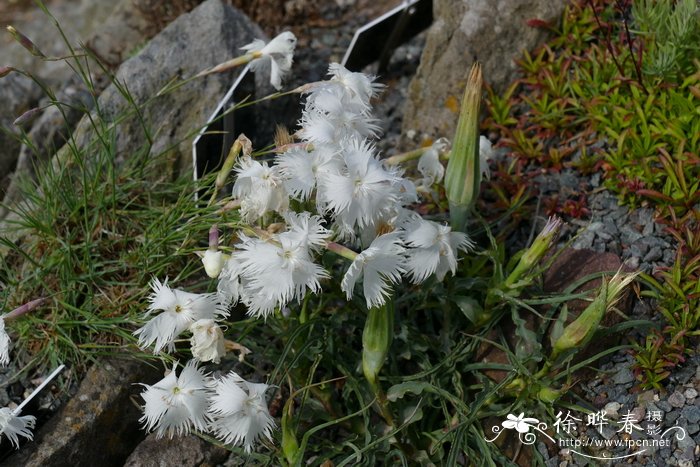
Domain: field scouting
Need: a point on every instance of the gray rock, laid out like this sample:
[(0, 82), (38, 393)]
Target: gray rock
[(98, 426), (677, 399), (129, 25), (493, 33), (182, 450), (691, 413), (654, 254), (17, 94), (690, 393), (210, 34), (623, 376), (664, 405)]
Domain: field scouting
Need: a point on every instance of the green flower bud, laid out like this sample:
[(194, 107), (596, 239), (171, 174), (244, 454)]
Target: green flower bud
[(537, 250), (577, 334), (376, 340), (463, 175)]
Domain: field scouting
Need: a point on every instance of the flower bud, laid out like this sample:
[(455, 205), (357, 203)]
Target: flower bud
[(207, 341), (25, 42), (28, 116), (213, 262), (543, 242), (463, 175), (577, 334), (6, 70), (376, 340)]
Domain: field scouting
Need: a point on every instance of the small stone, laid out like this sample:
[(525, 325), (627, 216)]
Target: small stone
[(691, 413), (646, 397), (693, 428), (655, 254), (672, 416), (664, 405), (677, 399), (690, 393), (611, 409), (623, 376)]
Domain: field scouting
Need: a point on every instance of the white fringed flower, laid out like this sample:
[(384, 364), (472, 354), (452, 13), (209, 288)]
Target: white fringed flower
[(175, 404), (279, 53), (260, 189), (273, 273), (429, 164), (381, 265), (12, 425), (179, 309), (4, 343), (434, 249), (207, 341), (306, 228), (239, 412), (339, 125), (358, 85), (364, 193), (302, 169)]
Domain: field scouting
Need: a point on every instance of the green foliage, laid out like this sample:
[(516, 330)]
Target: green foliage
[(624, 95), (672, 34)]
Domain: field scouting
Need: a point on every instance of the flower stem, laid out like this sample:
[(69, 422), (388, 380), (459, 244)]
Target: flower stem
[(26, 308), (341, 250), (228, 65)]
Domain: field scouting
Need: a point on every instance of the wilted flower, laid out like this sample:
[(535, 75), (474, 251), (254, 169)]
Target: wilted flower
[(380, 265), (12, 425), (179, 310), (239, 411), (175, 404), (279, 53), (207, 341), (434, 249)]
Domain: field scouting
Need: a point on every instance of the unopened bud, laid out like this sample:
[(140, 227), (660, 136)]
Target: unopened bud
[(577, 334), (463, 175), (377, 337), (25, 42), (6, 70), (28, 116), (543, 242)]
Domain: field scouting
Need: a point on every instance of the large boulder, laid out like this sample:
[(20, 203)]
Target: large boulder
[(491, 32), (167, 122), (99, 425), (130, 24), (79, 20)]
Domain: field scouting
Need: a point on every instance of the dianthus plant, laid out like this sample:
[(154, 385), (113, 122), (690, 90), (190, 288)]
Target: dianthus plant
[(326, 190)]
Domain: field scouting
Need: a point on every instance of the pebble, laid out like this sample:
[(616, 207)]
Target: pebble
[(691, 413), (677, 399), (611, 409), (623, 376), (690, 393)]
